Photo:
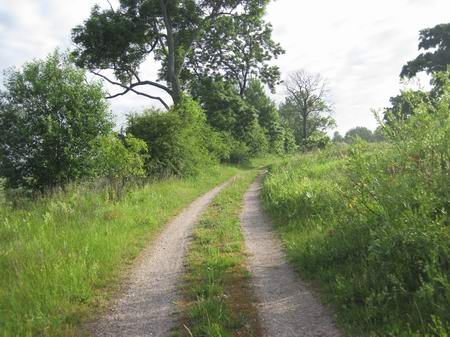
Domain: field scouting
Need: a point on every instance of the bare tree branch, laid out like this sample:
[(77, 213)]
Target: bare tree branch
[(131, 88)]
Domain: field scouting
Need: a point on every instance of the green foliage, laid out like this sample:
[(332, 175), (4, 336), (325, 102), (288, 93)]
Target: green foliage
[(268, 116), (176, 139), (227, 112), (373, 228), (173, 32), (49, 115), (318, 140), (118, 160), (358, 133), (436, 41), (337, 137), (403, 105), (237, 49), (290, 146), (62, 257)]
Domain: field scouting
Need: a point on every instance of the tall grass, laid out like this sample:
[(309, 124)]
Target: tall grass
[(61, 256), (372, 229)]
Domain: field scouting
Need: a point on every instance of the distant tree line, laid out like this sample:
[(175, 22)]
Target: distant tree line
[(359, 133)]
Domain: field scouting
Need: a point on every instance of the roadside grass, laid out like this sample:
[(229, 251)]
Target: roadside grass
[(218, 300), (369, 229), (62, 256)]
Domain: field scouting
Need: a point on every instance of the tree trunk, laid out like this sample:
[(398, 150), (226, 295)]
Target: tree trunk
[(172, 74), (305, 136)]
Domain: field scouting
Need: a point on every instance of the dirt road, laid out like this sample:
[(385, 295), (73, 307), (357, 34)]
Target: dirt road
[(286, 307), (147, 306)]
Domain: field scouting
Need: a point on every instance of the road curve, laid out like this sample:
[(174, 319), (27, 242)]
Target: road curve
[(146, 308)]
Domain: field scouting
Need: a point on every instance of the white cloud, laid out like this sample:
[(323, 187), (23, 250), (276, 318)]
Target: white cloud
[(359, 46)]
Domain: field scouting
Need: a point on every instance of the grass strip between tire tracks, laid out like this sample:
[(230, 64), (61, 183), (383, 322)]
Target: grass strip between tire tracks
[(218, 299)]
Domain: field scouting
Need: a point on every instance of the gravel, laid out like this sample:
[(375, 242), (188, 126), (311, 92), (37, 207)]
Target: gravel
[(147, 306), (287, 308)]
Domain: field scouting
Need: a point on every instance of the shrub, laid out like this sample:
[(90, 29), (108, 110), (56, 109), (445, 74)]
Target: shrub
[(118, 160), (49, 115), (176, 139), (318, 140)]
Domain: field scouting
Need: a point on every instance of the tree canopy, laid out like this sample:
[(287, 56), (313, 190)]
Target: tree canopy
[(361, 132), (237, 49), (435, 42), (172, 33)]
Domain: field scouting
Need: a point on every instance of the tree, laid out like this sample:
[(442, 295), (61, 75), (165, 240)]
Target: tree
[(49, 115), (226, 111), (337, 138), (403, 105), (378, 134), (306, 108), (436, 39), (268, 115), (120, 40), (237, 50), (359, 132)]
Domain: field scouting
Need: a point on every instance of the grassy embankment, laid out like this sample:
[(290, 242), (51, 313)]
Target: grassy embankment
[(218, 300), (370, 228), (61, 256)]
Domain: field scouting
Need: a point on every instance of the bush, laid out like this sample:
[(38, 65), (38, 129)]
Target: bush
[(49, 115), (118, 160), (317, 140), (176, 139)]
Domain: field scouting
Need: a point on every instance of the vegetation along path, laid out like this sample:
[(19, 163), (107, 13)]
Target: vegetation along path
[(147, 305), (286, 306)]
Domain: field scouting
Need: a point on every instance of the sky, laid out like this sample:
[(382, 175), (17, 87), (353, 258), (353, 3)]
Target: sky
[(359, 46)]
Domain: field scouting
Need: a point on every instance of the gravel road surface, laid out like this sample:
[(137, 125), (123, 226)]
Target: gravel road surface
[(146, 308), (286, 307)]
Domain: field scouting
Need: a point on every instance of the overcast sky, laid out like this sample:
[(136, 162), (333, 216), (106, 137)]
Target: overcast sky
[(358, 45)]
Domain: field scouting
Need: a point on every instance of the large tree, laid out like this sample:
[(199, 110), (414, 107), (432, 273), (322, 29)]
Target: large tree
[(237, 49), (165, 31), (435, 42), (306, 108)]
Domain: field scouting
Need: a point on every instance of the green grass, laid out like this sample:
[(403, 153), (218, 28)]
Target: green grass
[(61, 257), (218, 300), (370, 230)]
